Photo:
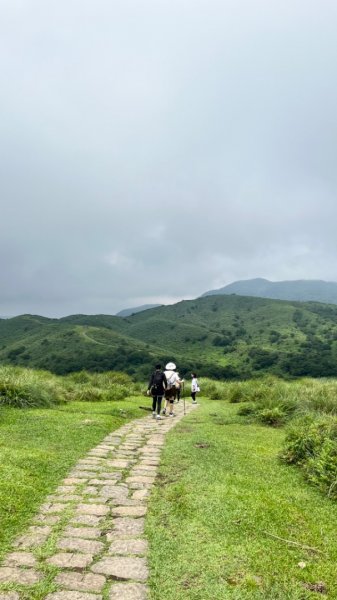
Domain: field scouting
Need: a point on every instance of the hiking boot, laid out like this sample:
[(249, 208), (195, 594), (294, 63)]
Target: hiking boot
[(158, 417), (172, 414), (164, 412), (153, 415)]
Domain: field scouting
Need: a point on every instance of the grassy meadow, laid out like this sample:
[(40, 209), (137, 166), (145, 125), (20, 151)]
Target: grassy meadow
[(230, 520), (245, 502)]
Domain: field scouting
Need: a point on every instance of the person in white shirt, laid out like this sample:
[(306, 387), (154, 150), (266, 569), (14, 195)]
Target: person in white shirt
[(194, 387), (172, 379)]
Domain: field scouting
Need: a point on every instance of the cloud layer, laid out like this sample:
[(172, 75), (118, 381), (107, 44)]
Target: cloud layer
[(152, 150)]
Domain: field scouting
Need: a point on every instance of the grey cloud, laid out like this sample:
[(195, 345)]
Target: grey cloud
[(150, 150)]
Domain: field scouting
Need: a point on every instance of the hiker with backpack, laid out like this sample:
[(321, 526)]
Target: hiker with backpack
[(194, 387), (156, 388), (173, 380)]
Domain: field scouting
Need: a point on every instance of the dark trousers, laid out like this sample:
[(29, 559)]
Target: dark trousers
[(193, 394), (156, 403)]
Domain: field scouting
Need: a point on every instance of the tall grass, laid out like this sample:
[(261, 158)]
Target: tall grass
[(24, 388), (274, 401), (28, 388), (309, 409), (311, 443)]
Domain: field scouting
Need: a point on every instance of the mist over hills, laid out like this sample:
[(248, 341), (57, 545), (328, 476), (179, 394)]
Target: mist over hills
[(127, 312), (224, 336), (303, 290)]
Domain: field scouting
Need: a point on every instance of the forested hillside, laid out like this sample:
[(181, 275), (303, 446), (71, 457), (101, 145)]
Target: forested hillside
[(220, 336)]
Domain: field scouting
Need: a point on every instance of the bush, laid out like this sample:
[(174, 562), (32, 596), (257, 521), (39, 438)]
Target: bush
[(247, 409), (215, 390), (311, 443), (90, 393), (274, 416), (237, 393), (27, 388)]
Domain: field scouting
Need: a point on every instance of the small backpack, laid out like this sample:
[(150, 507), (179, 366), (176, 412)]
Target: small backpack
[(170, 383), (157, 383)]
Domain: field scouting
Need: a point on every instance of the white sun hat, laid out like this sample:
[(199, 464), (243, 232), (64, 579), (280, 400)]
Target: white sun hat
[(170, 366)]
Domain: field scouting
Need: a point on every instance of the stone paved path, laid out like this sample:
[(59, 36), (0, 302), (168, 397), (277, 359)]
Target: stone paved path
[(94, 522)]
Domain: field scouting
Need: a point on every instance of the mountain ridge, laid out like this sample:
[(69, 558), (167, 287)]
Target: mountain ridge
[(302, 290), (222, 336)]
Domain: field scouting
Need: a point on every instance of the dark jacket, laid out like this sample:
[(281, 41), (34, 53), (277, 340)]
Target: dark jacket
[(161, 384)]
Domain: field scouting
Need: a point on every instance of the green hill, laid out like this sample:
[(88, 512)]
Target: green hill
[(220, 336)]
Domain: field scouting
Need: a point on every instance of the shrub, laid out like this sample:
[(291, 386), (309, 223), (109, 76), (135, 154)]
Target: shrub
[(215, 390), (90, 393), (117, 392), (247, 409), (274, 416), (237, 393), (311, 443), (27, 388)]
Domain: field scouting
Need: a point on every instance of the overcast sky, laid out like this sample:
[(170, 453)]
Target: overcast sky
[(151, 150)]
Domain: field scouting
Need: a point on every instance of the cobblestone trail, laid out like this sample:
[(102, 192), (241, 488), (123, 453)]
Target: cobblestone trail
[(94, 522)]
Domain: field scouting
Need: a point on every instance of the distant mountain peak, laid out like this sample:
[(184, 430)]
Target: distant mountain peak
[(303, 290)]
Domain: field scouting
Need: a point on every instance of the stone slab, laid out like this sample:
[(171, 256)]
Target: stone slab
[(126, 527), (20, 559), (88, 467), (72, 480), (97, 510), (95, 499), (21, 576), (81, 475), (128, 511), (90, 489), (122, 568), (129, 591), (90, 533), (68, 560), (82, 583), (36, 536), (114, 491), (9, 596), (125, 547), (73, 596), (47, 519), (79, 545), (52, 508), (89, 520), (147, 468), (140, 479), (123, 501), (120, 464), (140, 494), (66, 489), (64, 498)]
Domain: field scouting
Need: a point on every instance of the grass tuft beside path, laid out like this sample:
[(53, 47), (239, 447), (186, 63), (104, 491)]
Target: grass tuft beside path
[(222, 494)]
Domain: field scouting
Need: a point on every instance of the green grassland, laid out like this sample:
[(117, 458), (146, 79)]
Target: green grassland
[(228, 337), (229, 520), (245, 501)]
